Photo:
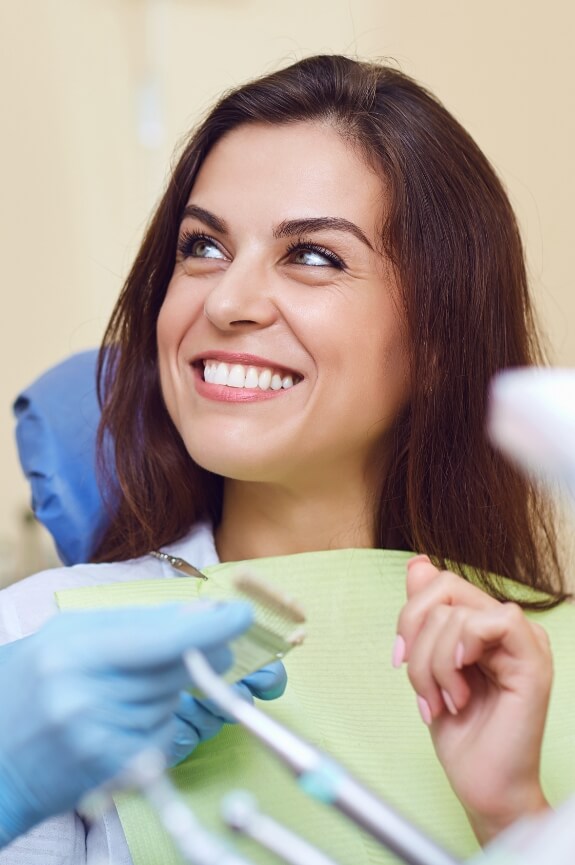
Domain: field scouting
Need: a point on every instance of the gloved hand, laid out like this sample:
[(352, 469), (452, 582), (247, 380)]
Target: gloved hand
[(199, 720), (89, 691)]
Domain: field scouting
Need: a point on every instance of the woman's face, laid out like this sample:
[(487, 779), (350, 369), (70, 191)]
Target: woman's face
[(281, 349)]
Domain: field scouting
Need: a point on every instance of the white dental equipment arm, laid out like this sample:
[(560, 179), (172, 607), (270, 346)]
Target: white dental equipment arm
[(195, 844), (532, 420), (319, 775), (532, 841), (240, 813), (147, 773)]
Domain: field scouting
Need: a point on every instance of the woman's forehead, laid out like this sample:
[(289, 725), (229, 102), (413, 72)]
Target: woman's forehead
[(294, 170)]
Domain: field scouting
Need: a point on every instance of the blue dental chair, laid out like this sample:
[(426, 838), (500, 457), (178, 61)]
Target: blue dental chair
[(56, 439)]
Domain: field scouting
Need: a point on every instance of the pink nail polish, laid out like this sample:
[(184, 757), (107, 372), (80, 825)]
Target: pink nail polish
[(398, 651), (424, 710), (447, 699)]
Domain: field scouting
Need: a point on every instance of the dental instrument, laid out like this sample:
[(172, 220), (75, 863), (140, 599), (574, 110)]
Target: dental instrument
[(319, 775), (241, 813)]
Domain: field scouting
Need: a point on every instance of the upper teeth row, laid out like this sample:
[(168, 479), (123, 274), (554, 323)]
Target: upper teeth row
[(238, 375)]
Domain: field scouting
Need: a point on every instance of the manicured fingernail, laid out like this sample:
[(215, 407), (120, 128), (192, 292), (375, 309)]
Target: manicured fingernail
[(424, 710), (398, 651), (421, 557), (451, 707), (459, 650)]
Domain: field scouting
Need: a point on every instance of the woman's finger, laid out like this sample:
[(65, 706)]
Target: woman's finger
[(428, 588), (505, 643), (437, 682)]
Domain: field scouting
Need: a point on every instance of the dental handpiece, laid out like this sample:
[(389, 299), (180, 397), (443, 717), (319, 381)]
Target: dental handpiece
[(321, 776)]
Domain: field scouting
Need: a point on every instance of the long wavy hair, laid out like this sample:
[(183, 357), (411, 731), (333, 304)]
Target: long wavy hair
[(453, 239)]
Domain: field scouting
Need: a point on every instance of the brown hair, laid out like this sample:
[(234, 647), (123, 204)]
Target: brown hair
[(453, 239)]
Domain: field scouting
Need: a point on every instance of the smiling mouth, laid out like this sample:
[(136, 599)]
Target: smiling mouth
[(247, 376)]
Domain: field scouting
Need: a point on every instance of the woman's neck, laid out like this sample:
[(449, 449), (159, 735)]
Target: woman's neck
[(261, 520)]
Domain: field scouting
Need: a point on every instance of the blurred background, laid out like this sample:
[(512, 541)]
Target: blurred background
[(96, 94)]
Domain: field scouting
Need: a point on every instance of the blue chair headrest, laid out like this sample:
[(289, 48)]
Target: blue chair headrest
[(56, 422)]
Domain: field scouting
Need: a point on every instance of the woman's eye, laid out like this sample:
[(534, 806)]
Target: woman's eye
[(314, 256), (199, 246)]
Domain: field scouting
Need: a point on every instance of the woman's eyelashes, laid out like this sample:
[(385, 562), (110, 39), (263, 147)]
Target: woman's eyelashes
[(313, 255), (198, 245), (195, 244)]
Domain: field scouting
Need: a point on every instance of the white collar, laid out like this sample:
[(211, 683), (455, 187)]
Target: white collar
[(198, 547)]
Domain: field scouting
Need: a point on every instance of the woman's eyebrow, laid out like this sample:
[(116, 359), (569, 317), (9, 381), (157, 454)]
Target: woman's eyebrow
[(287, 228), (209, 219), (292, 227)]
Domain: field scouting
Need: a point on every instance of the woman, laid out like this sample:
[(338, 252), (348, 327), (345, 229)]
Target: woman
[(296, 374)]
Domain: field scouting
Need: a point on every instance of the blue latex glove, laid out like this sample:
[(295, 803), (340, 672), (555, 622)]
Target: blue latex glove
[(200, 720), (89, 691)]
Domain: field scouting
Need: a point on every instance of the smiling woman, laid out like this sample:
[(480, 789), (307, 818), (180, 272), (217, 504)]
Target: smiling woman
[(332, 139), (296, 374), (250, 296)]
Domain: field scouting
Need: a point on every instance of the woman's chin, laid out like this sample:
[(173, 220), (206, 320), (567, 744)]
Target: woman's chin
[(241, 467)]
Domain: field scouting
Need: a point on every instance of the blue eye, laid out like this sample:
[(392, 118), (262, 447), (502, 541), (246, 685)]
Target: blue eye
[(196, 245), (311, 255)]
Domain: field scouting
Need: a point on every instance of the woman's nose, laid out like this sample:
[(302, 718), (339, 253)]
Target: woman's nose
[(240, 298)]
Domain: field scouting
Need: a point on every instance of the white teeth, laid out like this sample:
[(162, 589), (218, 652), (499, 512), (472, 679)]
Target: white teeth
[(209, 372), (237, 375), (222, 372), (264, 380), (252, 377)]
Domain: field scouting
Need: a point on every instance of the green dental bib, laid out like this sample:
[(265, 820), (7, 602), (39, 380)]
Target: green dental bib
[(344, 696)]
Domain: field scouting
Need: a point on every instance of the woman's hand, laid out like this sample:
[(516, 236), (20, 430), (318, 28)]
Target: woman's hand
[(482, 673)]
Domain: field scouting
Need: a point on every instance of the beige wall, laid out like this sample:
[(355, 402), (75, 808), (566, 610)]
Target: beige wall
[(78, 183)]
